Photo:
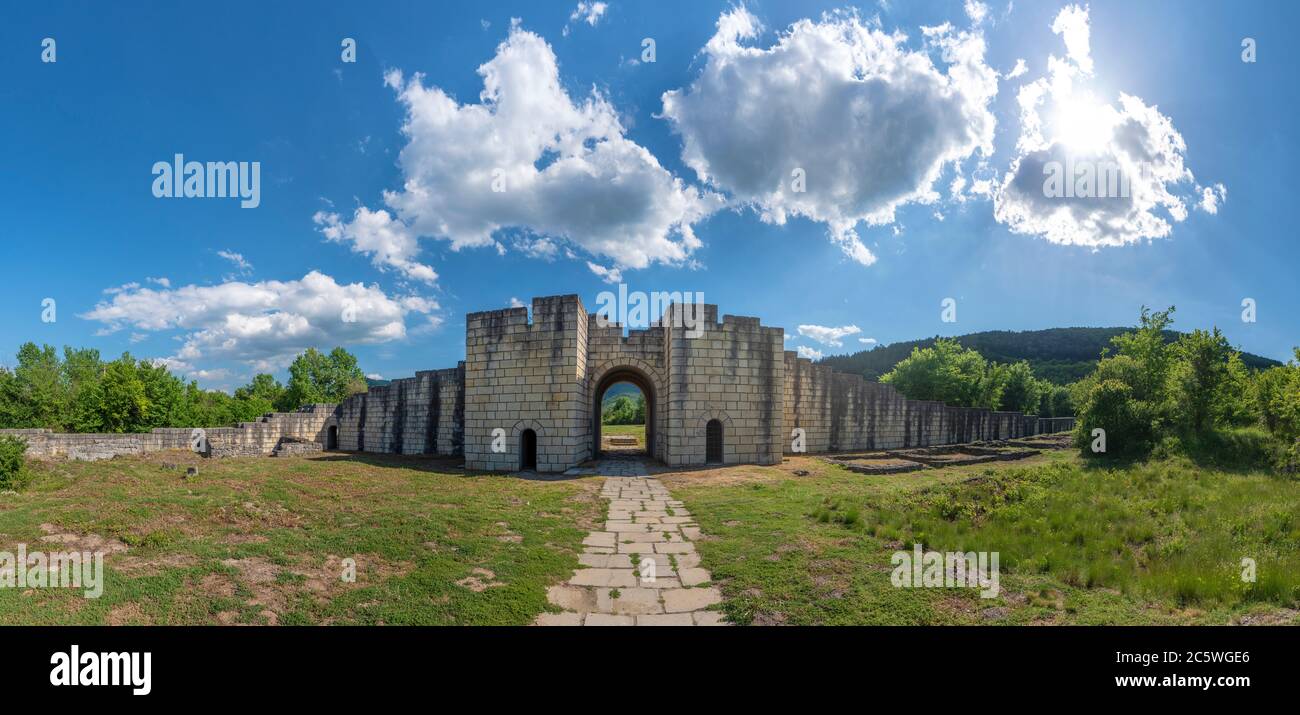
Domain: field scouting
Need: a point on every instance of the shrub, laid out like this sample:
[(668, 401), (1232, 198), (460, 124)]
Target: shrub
[(13, 470), (1128, 422)]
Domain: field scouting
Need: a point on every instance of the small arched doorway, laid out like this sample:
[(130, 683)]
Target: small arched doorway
[(332, 437), (641, 382), (713, 442), (528, 450)]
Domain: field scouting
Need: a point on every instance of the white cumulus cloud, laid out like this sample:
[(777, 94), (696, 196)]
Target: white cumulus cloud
[(1124, 159), (810, 353), (826, 335), (264, 323), (867, 122), (388, 242), (526, 157)]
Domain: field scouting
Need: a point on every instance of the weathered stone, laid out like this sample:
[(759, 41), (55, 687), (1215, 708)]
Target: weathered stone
[(694, 577), (605, 619), (690, 599), (630, 601), (559, 619), (709, 618), (572, 598), (666, 619)]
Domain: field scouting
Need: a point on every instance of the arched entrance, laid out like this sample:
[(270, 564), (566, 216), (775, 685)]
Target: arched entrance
[(332, 437), (713, 442), (528, 450), (641, 382)]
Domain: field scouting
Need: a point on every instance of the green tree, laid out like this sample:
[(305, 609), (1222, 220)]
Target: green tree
[(314, 377), (1276, 396), (1021, 391), (258, 397), (164, 395), (39, 387), (948, 373), (1198, 373), (624, 410), (124, 404), (1148, 348)]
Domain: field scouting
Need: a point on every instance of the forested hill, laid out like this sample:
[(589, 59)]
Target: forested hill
[(1059, 355)]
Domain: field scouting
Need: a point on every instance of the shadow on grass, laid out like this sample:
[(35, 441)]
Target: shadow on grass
[(1240, 451), (439, 464)]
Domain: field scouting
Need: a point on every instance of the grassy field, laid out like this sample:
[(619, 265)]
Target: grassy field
[(1157, 543), (257, 541), (263, 540), (637, 431)]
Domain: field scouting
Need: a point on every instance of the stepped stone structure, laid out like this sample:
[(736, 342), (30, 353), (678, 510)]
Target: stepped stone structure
[(528, 396)]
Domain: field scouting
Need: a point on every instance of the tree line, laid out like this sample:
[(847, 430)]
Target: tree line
[(1058, 355), (955, 375), (78, 391), (1194, 396)]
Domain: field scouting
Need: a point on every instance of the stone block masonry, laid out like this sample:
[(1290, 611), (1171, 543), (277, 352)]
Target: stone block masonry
[(415, 415), (529, 392), (258, 438)]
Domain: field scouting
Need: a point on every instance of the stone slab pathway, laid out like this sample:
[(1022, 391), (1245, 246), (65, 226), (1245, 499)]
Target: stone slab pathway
[(642, 569)]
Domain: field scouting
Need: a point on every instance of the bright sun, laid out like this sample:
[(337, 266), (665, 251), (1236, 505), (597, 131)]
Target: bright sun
[(1081, 123)]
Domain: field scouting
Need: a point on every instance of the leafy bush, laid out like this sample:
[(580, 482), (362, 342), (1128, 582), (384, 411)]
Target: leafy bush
[(1111, 406), (13, 470)]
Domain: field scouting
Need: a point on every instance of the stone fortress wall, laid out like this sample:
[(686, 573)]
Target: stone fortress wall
[(247, 439), (543, 379)]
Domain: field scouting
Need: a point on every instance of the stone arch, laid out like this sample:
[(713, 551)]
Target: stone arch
[(517, 441), (647, 379), (331, 432), (713, 418)]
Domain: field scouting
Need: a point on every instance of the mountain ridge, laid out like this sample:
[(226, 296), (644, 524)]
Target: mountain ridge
[(1058, 355)]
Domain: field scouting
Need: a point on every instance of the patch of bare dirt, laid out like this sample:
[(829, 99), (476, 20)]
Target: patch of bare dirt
[(69, 541), (479, 580), (271, 592), (251, 516), (774, 618), (216, 585), (1283, 617), (237, 539), (721, 476), (509, 536), (137, 566), (127, 614)]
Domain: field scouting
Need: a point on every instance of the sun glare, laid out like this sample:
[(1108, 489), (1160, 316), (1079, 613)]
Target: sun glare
[(1082, 124)]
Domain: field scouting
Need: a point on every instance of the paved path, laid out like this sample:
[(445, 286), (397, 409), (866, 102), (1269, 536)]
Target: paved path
[(642, 569)]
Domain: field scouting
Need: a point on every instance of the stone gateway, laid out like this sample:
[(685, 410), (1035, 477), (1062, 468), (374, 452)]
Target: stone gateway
[(529, 394)]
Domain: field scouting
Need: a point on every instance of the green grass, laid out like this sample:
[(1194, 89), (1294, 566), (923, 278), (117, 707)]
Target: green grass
[(262, 541), (1158, 542), (637, 431)]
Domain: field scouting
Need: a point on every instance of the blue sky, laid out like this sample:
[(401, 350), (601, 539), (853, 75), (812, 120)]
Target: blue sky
[(135, 84)]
